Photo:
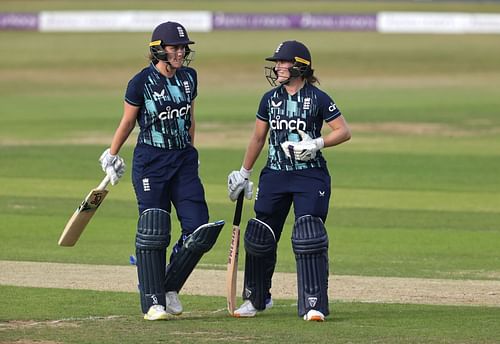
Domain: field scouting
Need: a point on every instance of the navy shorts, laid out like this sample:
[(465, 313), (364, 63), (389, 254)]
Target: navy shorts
[(308, 190), (165, 177)]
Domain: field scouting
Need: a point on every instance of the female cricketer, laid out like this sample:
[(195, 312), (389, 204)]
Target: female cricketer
[(295, 173), (160, 98)]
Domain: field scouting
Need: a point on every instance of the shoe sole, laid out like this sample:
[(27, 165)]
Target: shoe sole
[(238, 315), (161, 317), (316, 318)]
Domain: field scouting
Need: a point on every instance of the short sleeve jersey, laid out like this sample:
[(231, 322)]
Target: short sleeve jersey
[(306, 110), (165, 106)]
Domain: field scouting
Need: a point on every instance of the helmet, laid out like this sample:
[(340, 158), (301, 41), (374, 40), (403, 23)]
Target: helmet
[(169, 33), (295, 52)]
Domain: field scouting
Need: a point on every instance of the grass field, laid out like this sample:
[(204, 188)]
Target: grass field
[(416, 192)]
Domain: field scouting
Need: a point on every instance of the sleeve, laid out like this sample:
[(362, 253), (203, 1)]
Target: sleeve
[(134, 93), (195, 82), (327, 107), (262, 112), (192, 76)]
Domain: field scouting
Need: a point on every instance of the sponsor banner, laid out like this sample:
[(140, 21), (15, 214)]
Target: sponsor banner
[(234, 21), (136, 21), (18, 21), (339, 22), (205, 21), (484, 23), (430, 22)]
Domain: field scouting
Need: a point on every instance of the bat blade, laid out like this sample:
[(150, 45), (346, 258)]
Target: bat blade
[(83, 214), (232, 270), (232, 262)]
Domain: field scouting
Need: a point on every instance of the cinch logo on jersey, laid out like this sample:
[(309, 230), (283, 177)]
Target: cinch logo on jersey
[(174, 113), (283, 124)]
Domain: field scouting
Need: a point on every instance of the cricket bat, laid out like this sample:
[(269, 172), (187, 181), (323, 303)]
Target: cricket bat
[(83, 214), (232, 262)]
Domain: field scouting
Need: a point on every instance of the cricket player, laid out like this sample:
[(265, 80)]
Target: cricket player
[(161, 99), (295, 173)]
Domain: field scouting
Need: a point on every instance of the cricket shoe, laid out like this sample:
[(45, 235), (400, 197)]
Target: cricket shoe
[(314, 315), (173, 304), (247, 310), (156, 312)]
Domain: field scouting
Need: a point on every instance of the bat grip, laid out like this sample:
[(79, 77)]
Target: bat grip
[(238, 210), (104, 183)]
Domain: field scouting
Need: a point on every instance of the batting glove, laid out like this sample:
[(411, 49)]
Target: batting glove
[(237, 181), (304, 150), (113, 165)]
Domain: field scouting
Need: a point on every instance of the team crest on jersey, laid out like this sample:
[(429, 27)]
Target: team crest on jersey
[(307, 103), (187, 88)]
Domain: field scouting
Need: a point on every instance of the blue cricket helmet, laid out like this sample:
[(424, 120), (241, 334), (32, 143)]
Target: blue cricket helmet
[(291, 51)]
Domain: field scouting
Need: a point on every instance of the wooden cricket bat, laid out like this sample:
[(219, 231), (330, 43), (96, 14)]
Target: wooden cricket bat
[(83, 214), (232, 262)]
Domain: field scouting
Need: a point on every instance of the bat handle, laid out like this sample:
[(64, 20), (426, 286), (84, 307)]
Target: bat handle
[(104, 183), (238, 210)]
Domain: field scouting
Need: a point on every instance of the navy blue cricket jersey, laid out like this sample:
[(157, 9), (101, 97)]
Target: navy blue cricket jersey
[(165, 106), (306, 110)]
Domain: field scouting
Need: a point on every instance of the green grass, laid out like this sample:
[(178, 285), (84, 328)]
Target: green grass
[(91, 317), (415, 192)]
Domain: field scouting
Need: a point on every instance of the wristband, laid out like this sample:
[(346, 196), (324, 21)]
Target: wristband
[(245, 173)]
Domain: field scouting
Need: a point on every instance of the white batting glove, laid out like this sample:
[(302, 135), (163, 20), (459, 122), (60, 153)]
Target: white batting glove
[(237, 181), (304, 150), (113, 165)]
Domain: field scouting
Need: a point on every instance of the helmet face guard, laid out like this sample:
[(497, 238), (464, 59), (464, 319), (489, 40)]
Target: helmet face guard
[(157, 49), (300, 68)]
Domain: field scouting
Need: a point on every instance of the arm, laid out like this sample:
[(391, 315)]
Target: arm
[(111, 163), (125, 127), (306, 149), (339, 134), (256, 143), (237, 181), (193, 124)]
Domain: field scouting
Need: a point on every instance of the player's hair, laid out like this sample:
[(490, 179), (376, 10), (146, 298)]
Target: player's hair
[(312, 79)]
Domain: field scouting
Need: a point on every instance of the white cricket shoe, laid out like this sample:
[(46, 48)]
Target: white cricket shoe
[(173, 305), (247, 310), (156, 312), (314, 315)]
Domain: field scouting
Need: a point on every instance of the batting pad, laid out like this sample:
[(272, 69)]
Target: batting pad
[(260, 260), (184, 261), (151, 241), (310, 245)]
